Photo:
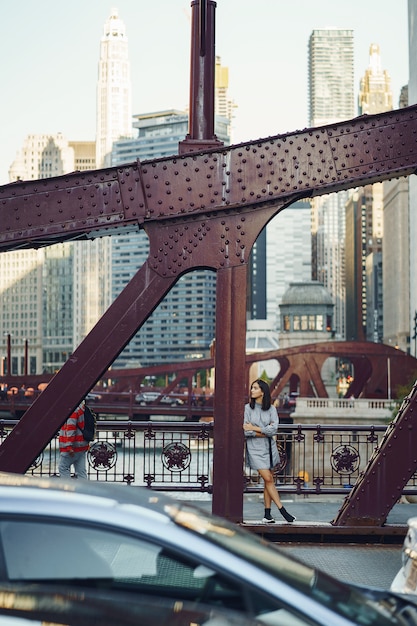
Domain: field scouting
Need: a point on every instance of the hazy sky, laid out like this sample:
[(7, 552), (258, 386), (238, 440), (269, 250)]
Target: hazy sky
[(49, 52)]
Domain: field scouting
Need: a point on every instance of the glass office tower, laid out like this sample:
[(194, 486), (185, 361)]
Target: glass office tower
[(183, 325)]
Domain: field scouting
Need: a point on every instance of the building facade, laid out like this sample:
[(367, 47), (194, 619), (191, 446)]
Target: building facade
[(114, 90), (306, 313), (396, 264), (224, 106), (364, 237), (375, 94), (182, 327), (288, 255), (92, 259), (331, 99), (37, 297), (365, 224), (331, 76)]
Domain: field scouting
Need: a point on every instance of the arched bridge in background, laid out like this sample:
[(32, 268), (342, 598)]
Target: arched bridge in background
[(378, 371), (204, 208)]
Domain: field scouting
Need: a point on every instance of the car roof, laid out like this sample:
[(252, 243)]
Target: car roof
[(96, 494)]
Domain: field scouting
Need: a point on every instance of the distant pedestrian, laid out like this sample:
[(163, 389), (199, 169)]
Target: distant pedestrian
[(72, 445), (260, 425)]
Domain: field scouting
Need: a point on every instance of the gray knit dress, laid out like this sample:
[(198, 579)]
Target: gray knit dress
[(258, 448)]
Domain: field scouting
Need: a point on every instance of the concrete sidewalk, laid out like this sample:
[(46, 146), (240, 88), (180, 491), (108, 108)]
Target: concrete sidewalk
[(317, 509), (374, 564), (309, 508)]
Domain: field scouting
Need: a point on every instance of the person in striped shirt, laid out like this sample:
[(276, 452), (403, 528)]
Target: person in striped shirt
[(72, 445)]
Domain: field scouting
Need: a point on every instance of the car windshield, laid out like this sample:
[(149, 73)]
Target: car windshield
[(376, 609)]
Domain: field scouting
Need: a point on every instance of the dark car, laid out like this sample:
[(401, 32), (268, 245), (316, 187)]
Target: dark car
[(153, 397), (93, 397), (116, 538)]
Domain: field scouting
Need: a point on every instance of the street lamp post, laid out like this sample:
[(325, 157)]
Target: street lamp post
[(25, 359), (389, 377), (9, 354)]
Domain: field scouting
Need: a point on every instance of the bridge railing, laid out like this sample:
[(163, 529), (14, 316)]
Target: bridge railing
[(124, 405), (350, 410), (178, 456)]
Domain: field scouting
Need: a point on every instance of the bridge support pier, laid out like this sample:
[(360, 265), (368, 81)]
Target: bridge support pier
[(230, 384)]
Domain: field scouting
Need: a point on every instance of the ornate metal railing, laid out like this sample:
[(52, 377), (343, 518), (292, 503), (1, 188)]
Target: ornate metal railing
[(177, 456)]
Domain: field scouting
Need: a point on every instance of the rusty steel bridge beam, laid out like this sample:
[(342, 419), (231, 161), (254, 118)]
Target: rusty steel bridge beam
[(191, 188), (389, 469), (200, 210)]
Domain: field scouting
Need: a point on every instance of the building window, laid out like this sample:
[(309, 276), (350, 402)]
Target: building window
[(328, 323), (319, 322)]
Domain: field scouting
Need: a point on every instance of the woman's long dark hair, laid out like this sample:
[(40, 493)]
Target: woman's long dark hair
[(266, 400)]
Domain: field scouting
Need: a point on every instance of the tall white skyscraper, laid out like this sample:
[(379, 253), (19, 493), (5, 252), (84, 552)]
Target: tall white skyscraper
[(114, 90), (331, 95), (92, 259), (331, 76)]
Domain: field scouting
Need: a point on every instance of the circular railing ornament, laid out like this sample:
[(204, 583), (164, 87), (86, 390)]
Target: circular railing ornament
[(176, 457), (102, 455), (345, 459)]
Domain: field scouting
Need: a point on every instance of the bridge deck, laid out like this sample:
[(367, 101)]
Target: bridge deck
[(313, 524)]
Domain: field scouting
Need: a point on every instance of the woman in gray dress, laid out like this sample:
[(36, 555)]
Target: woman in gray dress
[(260, 424)]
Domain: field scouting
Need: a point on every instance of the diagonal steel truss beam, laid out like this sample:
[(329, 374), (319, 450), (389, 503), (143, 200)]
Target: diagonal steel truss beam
[(390, 468)]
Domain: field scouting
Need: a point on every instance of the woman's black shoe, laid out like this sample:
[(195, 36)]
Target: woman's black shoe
[(287, 516)]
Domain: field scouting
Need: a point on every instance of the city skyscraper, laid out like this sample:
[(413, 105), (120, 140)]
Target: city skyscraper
[(375, 95), (397, 247), (182, 327), (37, 285), (331, 76), (397, 283), (114, 90), (331, 99), (364, 223), (363, 239), (224, 106), (92, 259)]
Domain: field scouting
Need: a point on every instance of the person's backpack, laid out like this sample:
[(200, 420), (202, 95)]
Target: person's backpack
[(90, 424)]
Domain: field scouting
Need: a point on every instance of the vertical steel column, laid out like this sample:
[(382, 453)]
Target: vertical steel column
[(230, 385), (202, 79)]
